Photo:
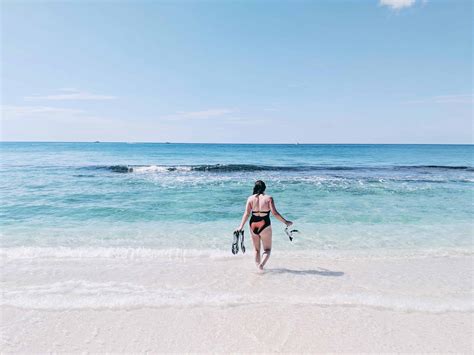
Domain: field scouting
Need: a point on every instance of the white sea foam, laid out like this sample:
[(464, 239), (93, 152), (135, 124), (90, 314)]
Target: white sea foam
[(160, 169), (81, 294), (15, 253), (108, 253), (149, 169)]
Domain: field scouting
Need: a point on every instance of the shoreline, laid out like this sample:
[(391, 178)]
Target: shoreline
[(81, 252)]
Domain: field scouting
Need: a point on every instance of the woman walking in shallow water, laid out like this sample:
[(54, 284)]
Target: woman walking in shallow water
[(259, 205)]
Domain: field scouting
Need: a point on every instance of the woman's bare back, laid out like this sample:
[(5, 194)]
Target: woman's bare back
[(260, 203)]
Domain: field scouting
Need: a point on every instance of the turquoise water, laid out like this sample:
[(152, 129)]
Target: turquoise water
[(191, 196)]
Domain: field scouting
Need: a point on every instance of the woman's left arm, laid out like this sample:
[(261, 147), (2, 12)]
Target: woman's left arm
[(248, 210), (277, 214)]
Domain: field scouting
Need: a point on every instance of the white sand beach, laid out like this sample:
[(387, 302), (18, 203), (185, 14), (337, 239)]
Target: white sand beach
[(186, 302)]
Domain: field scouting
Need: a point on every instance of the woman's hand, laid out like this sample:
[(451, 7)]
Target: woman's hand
[(288, 223), (238, 229)]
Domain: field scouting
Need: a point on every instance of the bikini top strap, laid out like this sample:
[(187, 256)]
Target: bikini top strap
[(258, 205)]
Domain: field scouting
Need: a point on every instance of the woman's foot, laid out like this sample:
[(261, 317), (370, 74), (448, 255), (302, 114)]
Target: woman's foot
[(260, 267)]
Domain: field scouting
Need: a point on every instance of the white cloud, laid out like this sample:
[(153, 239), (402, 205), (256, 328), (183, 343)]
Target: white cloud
[(71, 94), (397, 4), (446, 99), (204, 114), (247, 120), (10, 112), (26, 115), (227, 115), (454, 99)]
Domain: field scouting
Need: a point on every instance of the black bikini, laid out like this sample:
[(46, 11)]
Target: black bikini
[(259, 223)]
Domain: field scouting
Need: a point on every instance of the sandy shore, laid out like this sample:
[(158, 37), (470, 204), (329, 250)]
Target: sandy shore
[(238, 329), (416, 304)]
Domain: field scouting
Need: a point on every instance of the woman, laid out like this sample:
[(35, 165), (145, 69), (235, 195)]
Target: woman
[(259, 206)]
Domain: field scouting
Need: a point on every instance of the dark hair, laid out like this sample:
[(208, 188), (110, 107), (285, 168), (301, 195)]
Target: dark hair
[(259, 187)]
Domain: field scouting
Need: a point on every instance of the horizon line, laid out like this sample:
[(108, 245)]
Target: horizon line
[(228, 143)]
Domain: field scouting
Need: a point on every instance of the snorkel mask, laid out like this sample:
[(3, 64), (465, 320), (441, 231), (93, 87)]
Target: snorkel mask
[(289, 232)]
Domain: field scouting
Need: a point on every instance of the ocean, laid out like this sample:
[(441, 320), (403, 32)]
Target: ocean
[(192, 196)]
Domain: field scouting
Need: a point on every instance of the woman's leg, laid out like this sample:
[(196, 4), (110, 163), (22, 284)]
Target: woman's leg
[(256, 245), (266, 237)]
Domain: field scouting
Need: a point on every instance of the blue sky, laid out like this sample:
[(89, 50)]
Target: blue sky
[(389, 71)]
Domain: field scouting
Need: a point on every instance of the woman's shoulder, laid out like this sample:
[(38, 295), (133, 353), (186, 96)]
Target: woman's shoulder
[(251, 197), (254, 197)]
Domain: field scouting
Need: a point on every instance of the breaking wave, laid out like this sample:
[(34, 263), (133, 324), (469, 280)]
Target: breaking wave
[(226, 168)]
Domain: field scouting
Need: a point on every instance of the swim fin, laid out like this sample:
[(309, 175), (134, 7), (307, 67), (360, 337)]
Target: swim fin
[(289, 233), (242, 246), (235, 242)]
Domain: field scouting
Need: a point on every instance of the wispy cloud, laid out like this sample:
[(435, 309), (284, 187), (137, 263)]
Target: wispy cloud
[(71, 94), (397, 4), (446, 99), (27, 114), (225, 115), (9, 112), (247, 120), (204, 114)]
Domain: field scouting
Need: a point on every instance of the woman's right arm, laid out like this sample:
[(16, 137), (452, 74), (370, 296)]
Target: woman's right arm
[(278, 215), (248, 210)]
